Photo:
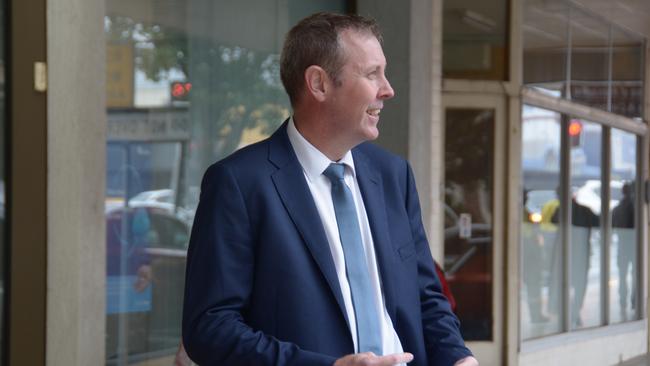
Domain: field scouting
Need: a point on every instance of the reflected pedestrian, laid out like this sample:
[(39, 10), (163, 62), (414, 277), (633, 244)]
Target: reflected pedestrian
[(582, 222), (533, 247), (623, 227)]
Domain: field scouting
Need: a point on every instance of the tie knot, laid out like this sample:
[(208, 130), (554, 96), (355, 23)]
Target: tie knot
[(334, 172)]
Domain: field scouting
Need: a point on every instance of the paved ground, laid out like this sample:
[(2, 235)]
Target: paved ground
[(637, 361)]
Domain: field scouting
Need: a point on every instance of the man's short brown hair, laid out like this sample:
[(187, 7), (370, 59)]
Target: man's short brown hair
[(315, 41)]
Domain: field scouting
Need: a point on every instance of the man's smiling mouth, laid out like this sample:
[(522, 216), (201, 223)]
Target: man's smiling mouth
[(374, 111)]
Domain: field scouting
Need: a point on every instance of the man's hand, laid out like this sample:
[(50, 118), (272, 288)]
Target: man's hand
[(182, 359), (467, 361), (370, 359)]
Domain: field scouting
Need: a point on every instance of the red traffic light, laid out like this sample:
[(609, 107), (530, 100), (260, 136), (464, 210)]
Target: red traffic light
[(575, 127), (180, 90)]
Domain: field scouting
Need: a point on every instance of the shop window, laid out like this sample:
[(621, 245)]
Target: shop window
[(541, 291), (585, 244), (564, 252), (571, 53), (590, 66), (187, 84), (627, 74), (624, 252), (475, 39), (546, 43)]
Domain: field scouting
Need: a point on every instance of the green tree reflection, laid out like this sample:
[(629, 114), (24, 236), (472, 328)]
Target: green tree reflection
[(236, 95)]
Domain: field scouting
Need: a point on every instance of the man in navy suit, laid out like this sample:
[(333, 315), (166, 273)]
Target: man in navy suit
[(308, 247)]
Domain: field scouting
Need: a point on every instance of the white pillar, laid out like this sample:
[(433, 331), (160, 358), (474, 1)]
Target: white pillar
[(76, 263)]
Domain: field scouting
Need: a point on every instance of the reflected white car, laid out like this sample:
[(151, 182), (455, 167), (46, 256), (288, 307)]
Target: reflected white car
[(589, 194), (160, 198), (158, 195)]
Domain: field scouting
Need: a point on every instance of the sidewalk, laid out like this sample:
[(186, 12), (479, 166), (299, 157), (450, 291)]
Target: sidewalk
[(637, 361)]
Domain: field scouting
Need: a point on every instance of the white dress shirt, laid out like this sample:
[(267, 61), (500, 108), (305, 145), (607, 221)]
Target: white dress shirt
[(313, 164)]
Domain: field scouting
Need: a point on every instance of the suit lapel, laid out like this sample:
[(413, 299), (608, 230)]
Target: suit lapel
[(372, 192), (294, 192)]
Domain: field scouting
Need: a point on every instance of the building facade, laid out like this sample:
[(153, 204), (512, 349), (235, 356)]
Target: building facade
[(525, 122)]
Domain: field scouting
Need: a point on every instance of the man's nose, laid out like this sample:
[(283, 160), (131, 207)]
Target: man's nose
[(386, 91)]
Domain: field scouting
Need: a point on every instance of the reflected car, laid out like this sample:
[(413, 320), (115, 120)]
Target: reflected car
[(158, 195), (163, 198), (146, 255), (589, 194)]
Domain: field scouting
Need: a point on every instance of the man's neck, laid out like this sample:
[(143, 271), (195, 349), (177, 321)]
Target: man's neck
[(315, 132)]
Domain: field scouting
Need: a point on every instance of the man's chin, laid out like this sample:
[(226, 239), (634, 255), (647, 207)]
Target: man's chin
[(365, 137), (372, 134)]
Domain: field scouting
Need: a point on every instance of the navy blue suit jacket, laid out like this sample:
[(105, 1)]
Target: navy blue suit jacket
[(261, 287)]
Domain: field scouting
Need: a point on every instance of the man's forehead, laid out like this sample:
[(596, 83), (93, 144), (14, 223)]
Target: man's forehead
[(352, 41), (362, 47), (356, 35)]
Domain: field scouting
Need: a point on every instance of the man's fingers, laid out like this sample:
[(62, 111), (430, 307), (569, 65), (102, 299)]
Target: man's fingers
[(370, 359), (394, 359)]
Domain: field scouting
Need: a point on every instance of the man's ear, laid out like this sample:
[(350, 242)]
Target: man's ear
[(316, 82)]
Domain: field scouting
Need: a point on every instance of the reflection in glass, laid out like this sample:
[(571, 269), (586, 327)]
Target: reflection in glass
[(597, 49), (624, 247), (469, 146), (541, 290), (584, 234), (475, 39), (187, 84), (589, 59), (627, 74), (146, 237), (545, 39)]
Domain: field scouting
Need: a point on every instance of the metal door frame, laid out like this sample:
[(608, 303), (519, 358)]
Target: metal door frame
[(26, 184)]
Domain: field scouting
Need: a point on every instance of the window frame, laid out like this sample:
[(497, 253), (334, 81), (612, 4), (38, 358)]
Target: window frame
[(608, 121)]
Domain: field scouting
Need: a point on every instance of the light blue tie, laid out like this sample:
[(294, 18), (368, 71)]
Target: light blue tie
[(368, 332)]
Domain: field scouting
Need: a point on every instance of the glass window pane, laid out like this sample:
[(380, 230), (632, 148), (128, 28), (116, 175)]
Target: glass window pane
[(554, 33), (585, 247), (475, 39), (469, 146), (541, 269), (187, 84), (627, 74), (589, 59), (545, 38), (624, 248)]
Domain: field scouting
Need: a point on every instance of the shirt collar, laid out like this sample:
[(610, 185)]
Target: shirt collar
[(312, 160)]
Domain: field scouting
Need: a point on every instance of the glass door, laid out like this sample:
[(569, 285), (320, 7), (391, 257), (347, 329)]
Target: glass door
[(473, 207)]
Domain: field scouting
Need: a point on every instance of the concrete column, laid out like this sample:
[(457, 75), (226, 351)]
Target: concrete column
[(426, 125), (76, 249)]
